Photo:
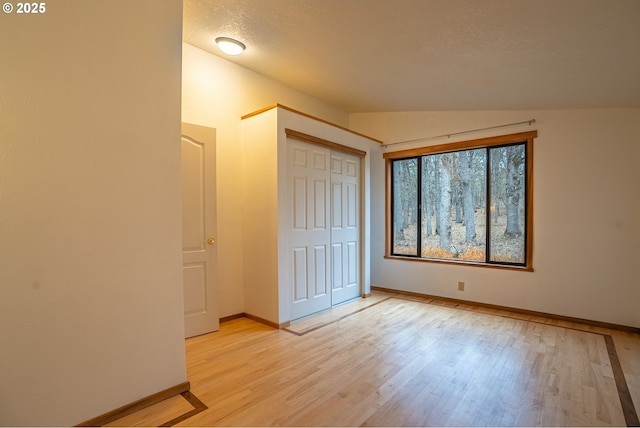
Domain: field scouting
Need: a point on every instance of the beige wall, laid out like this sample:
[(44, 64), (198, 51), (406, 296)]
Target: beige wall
[(586, 252), (216, 93), (90, 263), (260, 215)]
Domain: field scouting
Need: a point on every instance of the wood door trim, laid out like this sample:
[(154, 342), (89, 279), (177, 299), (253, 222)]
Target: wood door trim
[(301, 136), (318, 327), (272, 106)]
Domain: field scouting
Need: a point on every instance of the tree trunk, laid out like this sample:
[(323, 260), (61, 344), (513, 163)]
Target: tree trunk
[(435, 163), (514, 185), (402, 209), (498, 168), (444, 202), (458, 203), (426, 197), (467, 197)]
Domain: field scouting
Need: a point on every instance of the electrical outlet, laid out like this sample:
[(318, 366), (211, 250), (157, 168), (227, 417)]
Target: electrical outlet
[(460, 286)]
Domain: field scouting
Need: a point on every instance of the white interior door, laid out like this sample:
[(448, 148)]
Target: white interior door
[(199, 255), (345, 215), (308, 188)]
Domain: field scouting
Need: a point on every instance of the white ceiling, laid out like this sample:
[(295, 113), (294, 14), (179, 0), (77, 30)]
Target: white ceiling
[(417, 55)]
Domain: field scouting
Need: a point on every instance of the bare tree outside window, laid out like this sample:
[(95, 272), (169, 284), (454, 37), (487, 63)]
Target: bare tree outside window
[(405, 206), (508, 199)]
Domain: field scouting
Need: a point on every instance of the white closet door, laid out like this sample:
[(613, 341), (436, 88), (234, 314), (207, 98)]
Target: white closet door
[(345, 215), (308, 188)]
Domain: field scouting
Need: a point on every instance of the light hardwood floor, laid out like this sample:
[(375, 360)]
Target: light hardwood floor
[(393, 360)]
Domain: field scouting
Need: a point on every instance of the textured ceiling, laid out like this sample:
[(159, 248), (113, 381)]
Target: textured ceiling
[(415, 55)]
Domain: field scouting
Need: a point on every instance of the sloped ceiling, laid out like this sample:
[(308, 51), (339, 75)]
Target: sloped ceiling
[(417, 55)]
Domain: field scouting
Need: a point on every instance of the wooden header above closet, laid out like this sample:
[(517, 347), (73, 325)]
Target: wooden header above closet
[(324, 143), (262, 110)]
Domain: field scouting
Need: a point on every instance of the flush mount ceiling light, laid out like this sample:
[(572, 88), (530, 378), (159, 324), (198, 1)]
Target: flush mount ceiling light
[(230, 46)]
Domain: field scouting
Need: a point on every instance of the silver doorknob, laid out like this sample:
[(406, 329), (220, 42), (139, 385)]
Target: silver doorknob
[(211, 241)]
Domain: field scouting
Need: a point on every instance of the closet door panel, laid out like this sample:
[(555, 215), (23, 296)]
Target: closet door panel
[(320, 264), (345, 185), (308, 187), (337, 269), (300, 274)]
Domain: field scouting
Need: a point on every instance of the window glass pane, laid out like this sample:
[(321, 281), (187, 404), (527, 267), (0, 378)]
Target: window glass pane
[(405, 207), (507, 169), (453, 201)]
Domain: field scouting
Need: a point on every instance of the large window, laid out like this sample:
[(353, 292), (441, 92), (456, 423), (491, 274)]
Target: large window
[(468, 202)]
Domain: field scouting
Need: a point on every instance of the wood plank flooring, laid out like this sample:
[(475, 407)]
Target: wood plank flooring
[(390, 360)]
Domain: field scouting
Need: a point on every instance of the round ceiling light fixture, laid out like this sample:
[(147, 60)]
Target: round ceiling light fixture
[(230, 46)]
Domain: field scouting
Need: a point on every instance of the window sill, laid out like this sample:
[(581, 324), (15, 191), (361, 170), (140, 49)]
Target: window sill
[(460, 263)]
